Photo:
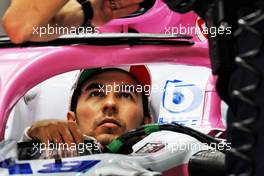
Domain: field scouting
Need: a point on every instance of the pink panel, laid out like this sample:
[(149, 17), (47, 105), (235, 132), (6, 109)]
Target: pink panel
[(212, 107), (159, 19)]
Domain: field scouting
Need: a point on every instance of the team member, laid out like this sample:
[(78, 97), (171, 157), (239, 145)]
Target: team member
[(22, 17)]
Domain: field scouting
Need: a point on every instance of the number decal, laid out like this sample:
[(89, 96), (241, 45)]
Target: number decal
[(71, 166), (180, 97), (15, 168), (67, 166)]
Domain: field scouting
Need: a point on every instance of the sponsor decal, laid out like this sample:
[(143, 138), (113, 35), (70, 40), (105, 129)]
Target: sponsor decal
[(151, 147)]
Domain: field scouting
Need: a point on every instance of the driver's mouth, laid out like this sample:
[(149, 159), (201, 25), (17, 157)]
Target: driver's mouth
[(109, 123)]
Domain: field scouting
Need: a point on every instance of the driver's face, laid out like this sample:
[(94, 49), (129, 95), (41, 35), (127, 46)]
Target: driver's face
[(107, 115)]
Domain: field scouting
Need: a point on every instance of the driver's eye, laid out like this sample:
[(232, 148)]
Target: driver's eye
[(96, 94), (125, 95)]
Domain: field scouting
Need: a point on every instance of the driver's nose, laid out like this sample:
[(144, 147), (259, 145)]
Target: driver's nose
[(110, 105)]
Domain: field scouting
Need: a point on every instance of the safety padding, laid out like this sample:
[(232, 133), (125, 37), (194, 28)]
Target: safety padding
[(50, 99), (177, 95)]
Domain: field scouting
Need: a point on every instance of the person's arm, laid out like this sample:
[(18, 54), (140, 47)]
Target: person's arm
[(58, 131), (23, 16)]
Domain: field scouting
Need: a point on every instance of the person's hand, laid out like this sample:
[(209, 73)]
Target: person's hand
[(58, 131), (106, 10)]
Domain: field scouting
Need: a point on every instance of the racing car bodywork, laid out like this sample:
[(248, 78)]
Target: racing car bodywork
[(25, 66)]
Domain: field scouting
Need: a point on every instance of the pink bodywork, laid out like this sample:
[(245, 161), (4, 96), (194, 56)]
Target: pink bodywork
[(159, 19), (23, 68)]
